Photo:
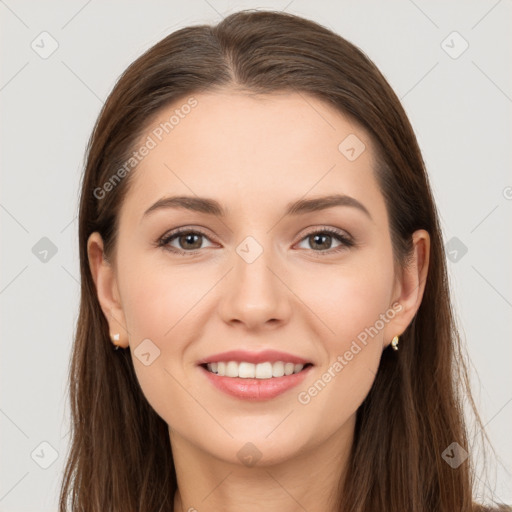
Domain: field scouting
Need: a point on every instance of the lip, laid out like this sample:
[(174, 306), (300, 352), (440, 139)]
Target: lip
[(239, 356), (255, 389)]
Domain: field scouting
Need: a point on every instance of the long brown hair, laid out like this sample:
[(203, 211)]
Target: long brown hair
[(120, 457)]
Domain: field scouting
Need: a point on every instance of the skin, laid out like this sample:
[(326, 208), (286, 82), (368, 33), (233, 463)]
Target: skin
[(255, 154)]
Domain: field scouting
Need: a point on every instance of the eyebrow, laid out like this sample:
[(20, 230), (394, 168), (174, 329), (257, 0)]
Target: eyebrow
[(302, 206)]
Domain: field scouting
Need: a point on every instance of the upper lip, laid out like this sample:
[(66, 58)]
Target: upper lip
[(253, 357)]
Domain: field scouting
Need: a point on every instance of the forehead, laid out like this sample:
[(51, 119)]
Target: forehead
[(259, 150)]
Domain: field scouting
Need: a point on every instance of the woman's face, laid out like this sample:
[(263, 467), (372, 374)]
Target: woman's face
[(257, 278)]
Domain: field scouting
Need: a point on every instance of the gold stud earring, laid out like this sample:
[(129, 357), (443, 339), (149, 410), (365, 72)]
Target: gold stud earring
[(394, 343), (114, 338)]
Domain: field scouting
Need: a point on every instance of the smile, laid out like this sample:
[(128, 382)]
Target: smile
[(264, 387), (245, 370)]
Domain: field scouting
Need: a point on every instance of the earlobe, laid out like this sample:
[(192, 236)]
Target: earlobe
[(105, 280), (412, 284)]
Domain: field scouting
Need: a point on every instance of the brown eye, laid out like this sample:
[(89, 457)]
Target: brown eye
[(188, 241), (321, 241)]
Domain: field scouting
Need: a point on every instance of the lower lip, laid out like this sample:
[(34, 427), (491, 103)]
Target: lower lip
[(256, 389)]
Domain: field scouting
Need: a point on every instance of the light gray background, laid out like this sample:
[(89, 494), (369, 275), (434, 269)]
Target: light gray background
[(460, 109)]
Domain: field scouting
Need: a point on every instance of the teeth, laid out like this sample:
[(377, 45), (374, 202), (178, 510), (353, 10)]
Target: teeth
[(245, 370), (278, 369), (232, 369)]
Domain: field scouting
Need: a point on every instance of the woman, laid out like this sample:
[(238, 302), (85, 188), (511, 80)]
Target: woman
[(259, 239)]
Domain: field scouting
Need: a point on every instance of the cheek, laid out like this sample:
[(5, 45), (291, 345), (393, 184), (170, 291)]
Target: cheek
[(350, 298), (158, 305), (353, 308), (157, 297)]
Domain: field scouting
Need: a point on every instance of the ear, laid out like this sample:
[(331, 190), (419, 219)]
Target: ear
[(104, 277), (409, 286)]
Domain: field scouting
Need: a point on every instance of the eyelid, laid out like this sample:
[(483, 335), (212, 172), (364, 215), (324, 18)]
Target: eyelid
[(326, 229)]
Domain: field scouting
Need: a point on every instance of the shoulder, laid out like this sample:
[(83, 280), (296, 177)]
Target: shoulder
[(494, 508)]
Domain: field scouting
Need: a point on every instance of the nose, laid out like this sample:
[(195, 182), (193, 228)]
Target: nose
[(254, 294)]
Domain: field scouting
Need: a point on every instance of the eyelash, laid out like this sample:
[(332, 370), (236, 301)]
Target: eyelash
[(346, 242)]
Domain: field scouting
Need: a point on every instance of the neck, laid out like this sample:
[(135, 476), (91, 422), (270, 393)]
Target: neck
[(308, 480)]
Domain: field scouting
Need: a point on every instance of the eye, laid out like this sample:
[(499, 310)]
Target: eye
[(323, 239), (189, 241), (185, 238)]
